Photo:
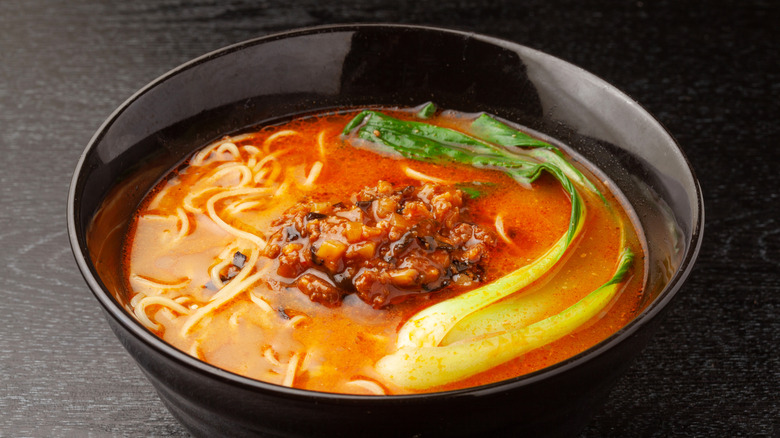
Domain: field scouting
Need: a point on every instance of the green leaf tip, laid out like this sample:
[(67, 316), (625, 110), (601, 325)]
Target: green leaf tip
[(427, 110)]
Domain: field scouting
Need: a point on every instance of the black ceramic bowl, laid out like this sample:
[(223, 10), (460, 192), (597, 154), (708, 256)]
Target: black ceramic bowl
[(327, 67)]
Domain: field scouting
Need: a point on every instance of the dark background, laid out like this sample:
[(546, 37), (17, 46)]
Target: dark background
[(709, 71)]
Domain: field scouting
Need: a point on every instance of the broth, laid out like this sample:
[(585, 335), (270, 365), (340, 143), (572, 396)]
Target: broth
[(201, 276)]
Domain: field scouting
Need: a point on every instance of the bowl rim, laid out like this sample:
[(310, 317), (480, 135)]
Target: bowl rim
[(121, 316)]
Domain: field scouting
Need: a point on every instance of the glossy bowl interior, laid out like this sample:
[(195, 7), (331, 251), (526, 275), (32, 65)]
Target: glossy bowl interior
[(329, 67)]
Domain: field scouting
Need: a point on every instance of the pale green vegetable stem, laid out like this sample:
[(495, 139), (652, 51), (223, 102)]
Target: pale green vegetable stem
[(431, 366)]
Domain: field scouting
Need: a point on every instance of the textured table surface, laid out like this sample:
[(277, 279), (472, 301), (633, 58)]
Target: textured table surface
[(710, 71)]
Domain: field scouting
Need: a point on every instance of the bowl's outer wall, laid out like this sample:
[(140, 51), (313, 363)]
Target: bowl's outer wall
[(298, 72)]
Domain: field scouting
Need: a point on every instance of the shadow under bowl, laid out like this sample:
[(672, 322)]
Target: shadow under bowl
[(273, 77)]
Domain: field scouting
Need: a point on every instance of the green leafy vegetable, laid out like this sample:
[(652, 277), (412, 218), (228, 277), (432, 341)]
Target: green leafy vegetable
[(475, 189), (427, 110), (489, 144), (425, 142), (429, 366), (492, 130), (428, 327)]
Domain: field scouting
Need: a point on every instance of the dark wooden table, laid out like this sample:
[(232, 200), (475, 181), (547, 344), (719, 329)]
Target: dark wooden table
[(710, 71)]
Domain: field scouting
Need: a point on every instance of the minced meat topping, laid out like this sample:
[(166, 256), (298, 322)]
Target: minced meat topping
[(384, 245)]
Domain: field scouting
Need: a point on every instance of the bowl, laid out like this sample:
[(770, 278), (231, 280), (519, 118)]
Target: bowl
[(300, 71)]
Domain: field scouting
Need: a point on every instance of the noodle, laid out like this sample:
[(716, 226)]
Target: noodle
[(184, 228), (233, 320), (272, 138), (269, 158), (225, 169), (157, 200), (239, 206), (292, 369), (283, 187), (321, 144), (229, 147), (257, 240), (159, 285), (226, 294), (297, 320), (261, 303), (313, 174), (501, 232), (252, 150), (195, 350), (188, 203), (136, 298), (270, 356), (216, 147), (140, 309), (368, 385), (214, 273), (411, 173)]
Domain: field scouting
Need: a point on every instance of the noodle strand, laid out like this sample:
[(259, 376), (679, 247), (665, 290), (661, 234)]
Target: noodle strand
[(411, 173), (292, 369)]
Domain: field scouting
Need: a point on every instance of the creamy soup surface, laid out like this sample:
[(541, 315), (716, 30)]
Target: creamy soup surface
[(291, 256)]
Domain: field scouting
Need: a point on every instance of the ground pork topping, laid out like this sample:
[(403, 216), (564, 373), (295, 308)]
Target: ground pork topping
[(383, 245)]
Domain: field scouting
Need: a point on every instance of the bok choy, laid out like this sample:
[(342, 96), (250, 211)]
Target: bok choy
[(421, 359), (428, 366)]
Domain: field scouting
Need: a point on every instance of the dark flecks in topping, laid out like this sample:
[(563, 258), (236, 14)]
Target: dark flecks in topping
[(364, 205), (396, 244), (239, 260), (313, 253), (231, 272), (459, 266), (314, 216), (291, 234)]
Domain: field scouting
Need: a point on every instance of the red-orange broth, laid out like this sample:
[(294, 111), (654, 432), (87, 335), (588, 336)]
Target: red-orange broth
[(270, 331)]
